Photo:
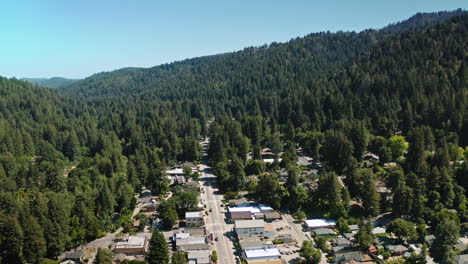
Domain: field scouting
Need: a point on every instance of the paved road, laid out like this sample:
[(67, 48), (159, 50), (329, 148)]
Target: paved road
[(215, 221)]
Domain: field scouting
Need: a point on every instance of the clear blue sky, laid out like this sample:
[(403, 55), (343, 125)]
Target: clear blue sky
[(46, 38)]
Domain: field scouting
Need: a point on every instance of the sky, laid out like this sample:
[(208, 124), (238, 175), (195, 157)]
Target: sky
[(75, 39)]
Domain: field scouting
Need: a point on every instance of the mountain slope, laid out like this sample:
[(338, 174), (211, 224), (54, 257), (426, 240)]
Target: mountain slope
[(54, 82)]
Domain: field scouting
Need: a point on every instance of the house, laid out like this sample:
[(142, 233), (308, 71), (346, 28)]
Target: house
[(372, 249), (194, 219), (341, 249), (324, 232), (151, 207), (341, 242), (250, 227), (397, 250), (199, 256), (345, 257), (353, 228), (68, 262), (77, 256), (242, 202), (371, 157), (461, 259), (135, 245), (349, 236), (264, 253), (428, 239), (319, 223), (378, 230), (145, 193)]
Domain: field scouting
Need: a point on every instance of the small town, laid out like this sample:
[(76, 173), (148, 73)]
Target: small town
[(237, 230)]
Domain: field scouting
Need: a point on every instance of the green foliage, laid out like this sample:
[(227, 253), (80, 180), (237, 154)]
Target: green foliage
[(179, 257), (214, 256), (364, 237), (104, 256), (311, 255), (168, 214), (158, 251), (401, 229)]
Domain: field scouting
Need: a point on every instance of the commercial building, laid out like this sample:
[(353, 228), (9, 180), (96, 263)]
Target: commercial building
[(261, 253), (135, 245), (319, 223), (250, 227), (194, 219)]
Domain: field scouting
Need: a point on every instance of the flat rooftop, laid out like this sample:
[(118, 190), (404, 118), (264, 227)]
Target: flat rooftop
[(271, 252), (249, 223), (132, 242), (311, 223), (193, 214)]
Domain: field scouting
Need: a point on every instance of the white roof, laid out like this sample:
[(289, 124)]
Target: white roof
[(193, 214), (271, 252), (249, 223), (271, 160), (378, 230), (264, 207), (132, 242), (175, 171), (311, 223), (251, 209), (182, 235)]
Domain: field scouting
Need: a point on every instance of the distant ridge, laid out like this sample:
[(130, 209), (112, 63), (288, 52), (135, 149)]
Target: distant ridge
[(54, 82)]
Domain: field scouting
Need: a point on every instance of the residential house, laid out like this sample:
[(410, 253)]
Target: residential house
[(345, 257), (77, 256), (396, 250), (271, 216), (341, 242), (194, 218), (145, 193)]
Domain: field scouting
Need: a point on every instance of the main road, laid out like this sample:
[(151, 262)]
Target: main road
[(215, 223)]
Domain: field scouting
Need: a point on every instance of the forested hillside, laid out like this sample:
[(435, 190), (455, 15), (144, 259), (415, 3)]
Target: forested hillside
[(66, 167), (71, 160)]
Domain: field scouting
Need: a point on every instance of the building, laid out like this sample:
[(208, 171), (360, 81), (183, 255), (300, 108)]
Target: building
[(324, 232), (397, 250), (135, 245), (378, 230), (199, 256), (77, 256), (194, 219), (145, 193), (345, 257), (461, 259), (250, 227), (190, 240), (249, 212), (271, 216), (341, 242), (261, 253), (238, 213), (319, 223), (251, 241)]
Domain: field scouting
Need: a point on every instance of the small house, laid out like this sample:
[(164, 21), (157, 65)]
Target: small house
[(397, 250), (324, 232)]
